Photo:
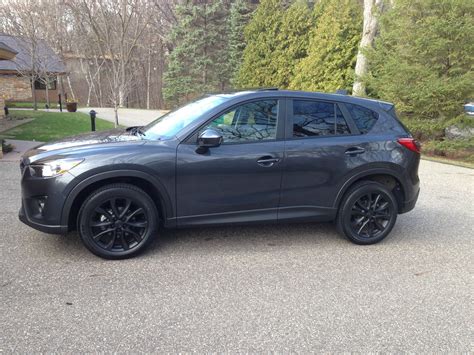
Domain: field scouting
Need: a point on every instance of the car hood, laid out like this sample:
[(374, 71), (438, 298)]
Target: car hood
[(111, 136)]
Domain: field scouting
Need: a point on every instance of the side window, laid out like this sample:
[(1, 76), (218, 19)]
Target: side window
[(317, 118), (363, 117), (254, 121)]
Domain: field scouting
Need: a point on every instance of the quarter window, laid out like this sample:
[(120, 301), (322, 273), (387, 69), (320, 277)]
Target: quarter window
[(317, 118), (254, 121), (363, 117)]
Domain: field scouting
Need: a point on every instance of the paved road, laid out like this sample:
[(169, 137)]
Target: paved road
[(127, 116), (260, 288)]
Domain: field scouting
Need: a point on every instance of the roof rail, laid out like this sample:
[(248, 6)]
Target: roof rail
[(342, 92), (265, 89)]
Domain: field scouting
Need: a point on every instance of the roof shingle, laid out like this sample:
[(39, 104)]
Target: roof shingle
[(47, 60)]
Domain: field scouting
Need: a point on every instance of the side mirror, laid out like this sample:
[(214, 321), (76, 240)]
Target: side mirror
[(209, 138)]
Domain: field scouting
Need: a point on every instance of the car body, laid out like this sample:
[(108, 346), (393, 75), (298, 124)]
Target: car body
[(469, 109), (244, 157)]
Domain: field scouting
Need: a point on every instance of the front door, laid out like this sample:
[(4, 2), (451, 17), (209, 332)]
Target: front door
[(239, 181)]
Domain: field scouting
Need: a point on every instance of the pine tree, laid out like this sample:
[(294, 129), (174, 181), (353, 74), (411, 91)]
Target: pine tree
[(198, 62), (333, 46), (292, 42), (258, 67), (240, 13), (423, 60)]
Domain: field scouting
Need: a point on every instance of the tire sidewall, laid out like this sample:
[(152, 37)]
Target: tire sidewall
[(352, 197), (137, 196)]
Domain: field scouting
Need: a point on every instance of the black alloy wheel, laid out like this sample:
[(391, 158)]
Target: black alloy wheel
[(117, 221), (368, 213)]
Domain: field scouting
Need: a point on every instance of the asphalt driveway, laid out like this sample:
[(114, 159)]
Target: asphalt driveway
[(247, 289), (127, 116)]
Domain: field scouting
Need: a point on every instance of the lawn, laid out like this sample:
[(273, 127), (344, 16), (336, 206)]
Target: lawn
[(48, 126)]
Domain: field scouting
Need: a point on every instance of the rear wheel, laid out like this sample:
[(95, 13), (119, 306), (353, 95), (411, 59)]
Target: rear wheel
[(367, 213), (117, 221)]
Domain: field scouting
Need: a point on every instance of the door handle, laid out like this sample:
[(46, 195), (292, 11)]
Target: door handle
[(355, 151), (267, 161)]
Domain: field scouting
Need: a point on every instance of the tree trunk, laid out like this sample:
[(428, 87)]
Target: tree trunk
[(47, 92), (372, 8), (148, 78), (70, 88), (33, 92), (116, 115)]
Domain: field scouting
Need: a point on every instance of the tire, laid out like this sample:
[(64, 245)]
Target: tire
[(117, 221), (367, 213)]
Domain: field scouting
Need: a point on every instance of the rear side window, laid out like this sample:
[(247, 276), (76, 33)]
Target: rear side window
[(317, 118), (363, 117)]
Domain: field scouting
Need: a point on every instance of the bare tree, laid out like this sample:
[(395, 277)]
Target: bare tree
[(372, 9), (118, 27), (21, 17)]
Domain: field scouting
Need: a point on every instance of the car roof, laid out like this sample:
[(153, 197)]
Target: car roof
[(262, 93)]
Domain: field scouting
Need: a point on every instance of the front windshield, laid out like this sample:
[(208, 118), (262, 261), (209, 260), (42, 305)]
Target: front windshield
[(169, 125)]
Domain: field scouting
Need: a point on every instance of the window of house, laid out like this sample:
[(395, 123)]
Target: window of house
[(40, 84), (317, 118), (363, 117), (253, 121)]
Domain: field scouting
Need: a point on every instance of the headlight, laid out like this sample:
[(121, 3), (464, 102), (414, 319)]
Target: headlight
[(53, 167)]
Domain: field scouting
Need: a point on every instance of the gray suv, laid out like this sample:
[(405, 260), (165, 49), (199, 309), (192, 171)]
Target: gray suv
[(244, 157)]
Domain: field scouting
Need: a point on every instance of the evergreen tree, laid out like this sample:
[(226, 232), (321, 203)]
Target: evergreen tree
[(332, 49), (292, 42), (423, 59), (240, 13), (199, 59), (258, 66)]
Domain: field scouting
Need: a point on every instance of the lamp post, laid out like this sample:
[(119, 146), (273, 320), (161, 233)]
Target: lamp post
[(92, 113)]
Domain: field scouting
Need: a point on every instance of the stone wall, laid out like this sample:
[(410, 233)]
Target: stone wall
[(17, 88), (13, 87)]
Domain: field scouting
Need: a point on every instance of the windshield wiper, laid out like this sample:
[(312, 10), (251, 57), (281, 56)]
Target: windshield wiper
[(136, 130)]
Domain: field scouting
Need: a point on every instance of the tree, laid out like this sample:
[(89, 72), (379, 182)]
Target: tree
[(372, 9), (332, 50), (258, 65), (239, 16), (22, 18), (429, 73), (117, 28), (198, 60), (292, 42)]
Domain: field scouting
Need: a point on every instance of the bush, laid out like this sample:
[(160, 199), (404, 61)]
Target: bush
[(6, 148), (424, 130), (459, 149)]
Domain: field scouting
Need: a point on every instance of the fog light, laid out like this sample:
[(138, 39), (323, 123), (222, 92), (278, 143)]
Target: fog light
[(41, 202)]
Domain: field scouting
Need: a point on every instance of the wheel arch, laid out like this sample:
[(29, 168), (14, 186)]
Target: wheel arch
[(388, 177), (140, 179)]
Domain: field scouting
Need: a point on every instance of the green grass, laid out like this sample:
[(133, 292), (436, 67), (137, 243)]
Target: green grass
[(48, 126)]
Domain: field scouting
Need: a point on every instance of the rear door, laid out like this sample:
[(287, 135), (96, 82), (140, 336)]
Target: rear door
[(322, 146), (239, 181)]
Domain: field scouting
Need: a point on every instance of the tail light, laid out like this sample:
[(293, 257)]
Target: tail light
[(410, 143)]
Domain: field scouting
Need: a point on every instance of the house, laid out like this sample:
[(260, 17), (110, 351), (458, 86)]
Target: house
[(6, 53), (18, 68)]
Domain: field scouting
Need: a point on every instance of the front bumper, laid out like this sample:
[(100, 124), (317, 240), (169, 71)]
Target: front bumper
[(42, 201), (51, 229)]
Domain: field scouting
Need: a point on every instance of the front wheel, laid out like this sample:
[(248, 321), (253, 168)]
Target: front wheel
[(117, 221), (367, 213)]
